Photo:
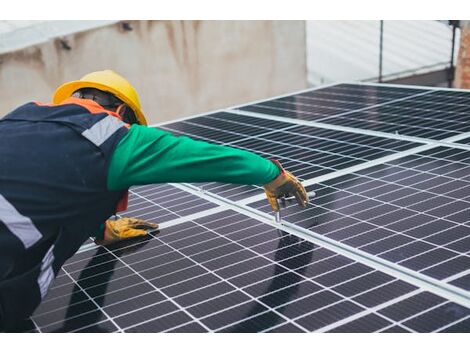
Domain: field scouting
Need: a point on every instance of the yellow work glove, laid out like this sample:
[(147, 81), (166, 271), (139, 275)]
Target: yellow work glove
[(285, 185), (125, 228)]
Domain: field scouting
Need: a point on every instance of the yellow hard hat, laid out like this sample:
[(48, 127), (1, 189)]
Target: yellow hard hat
[(108, 81)]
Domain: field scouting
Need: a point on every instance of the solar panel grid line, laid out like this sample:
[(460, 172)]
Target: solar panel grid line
[(431, 162), (310, 101), (385, 329), (320, 110), (397, 104), (423, 239), (417, 279), (148, 200), (164, 224), (406, 196), (375, 105), (277, 326), (190, 217), (348, 170), (184, 118), (360, 293), (225, 122), (420, 313), (300, 298), (36, 326), (414, 107), (161, 226), (158, 188), (165, 315), (283, 156), (175, 329), (363, 166), (425, 107), (375, 310), (396, 136), (163, 201), (385, 202), (330, 152), (393, 125), (146, 197), (90, 287), (68, 319), (136, 205), (335, 127), (155, 216), (158, 290), (195, 136), (222, 279), (404, 86), (94, 302), (399, 246), (320, 284), (242, 136), (366, 311), (84, 328), (38, 315), (300, 267), (339, 90), (339, 139), (458, 275), (441, 329), (288, 132), (223, 118)]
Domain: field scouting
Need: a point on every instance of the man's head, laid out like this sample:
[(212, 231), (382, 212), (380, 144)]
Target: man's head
[(108, 89)]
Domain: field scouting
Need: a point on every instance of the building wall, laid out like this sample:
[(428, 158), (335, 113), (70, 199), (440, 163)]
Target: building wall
[(462, 71), (179, 68)]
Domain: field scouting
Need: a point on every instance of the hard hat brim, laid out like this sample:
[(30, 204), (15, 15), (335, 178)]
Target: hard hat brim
[(67, 89)]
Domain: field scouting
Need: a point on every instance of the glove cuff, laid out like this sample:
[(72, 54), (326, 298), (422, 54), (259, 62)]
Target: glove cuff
[(279, 180)]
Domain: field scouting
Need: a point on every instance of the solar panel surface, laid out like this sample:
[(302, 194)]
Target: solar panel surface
[(384, 246), (412, 112)]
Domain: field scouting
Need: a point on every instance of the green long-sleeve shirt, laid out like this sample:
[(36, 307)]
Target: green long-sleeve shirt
[(149, 155)]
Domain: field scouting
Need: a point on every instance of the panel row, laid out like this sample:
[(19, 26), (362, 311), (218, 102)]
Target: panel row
[(229, 273)]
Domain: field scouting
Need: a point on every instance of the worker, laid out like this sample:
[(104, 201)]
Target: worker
[(66, 167)]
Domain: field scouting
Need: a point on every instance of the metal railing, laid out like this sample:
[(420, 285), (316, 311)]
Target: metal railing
[(430, 78)]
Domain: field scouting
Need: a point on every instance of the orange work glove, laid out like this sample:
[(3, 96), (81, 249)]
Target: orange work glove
[(125, 228), (285, 185)]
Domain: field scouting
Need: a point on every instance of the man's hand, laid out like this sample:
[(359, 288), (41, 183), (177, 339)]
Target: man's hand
[(125, 228), (285, 185)]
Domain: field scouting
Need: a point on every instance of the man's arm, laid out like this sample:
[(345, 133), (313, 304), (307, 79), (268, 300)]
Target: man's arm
[(149, 155)]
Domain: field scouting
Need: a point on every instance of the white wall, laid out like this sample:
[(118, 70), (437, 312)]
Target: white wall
[(179, 68)]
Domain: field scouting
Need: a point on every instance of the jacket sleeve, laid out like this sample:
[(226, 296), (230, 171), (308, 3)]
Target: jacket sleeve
[(148, 155)]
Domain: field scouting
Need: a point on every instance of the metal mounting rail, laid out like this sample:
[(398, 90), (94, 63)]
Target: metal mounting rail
[(438, 287)]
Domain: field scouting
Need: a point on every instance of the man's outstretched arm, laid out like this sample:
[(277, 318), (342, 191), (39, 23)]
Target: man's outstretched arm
[(149, 155)]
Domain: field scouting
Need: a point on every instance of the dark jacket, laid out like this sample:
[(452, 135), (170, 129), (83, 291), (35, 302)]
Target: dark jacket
[(53, 194)]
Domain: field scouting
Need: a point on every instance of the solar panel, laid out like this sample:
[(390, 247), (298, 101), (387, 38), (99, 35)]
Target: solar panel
[(227, 272), (383, 247), (410, 112)]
